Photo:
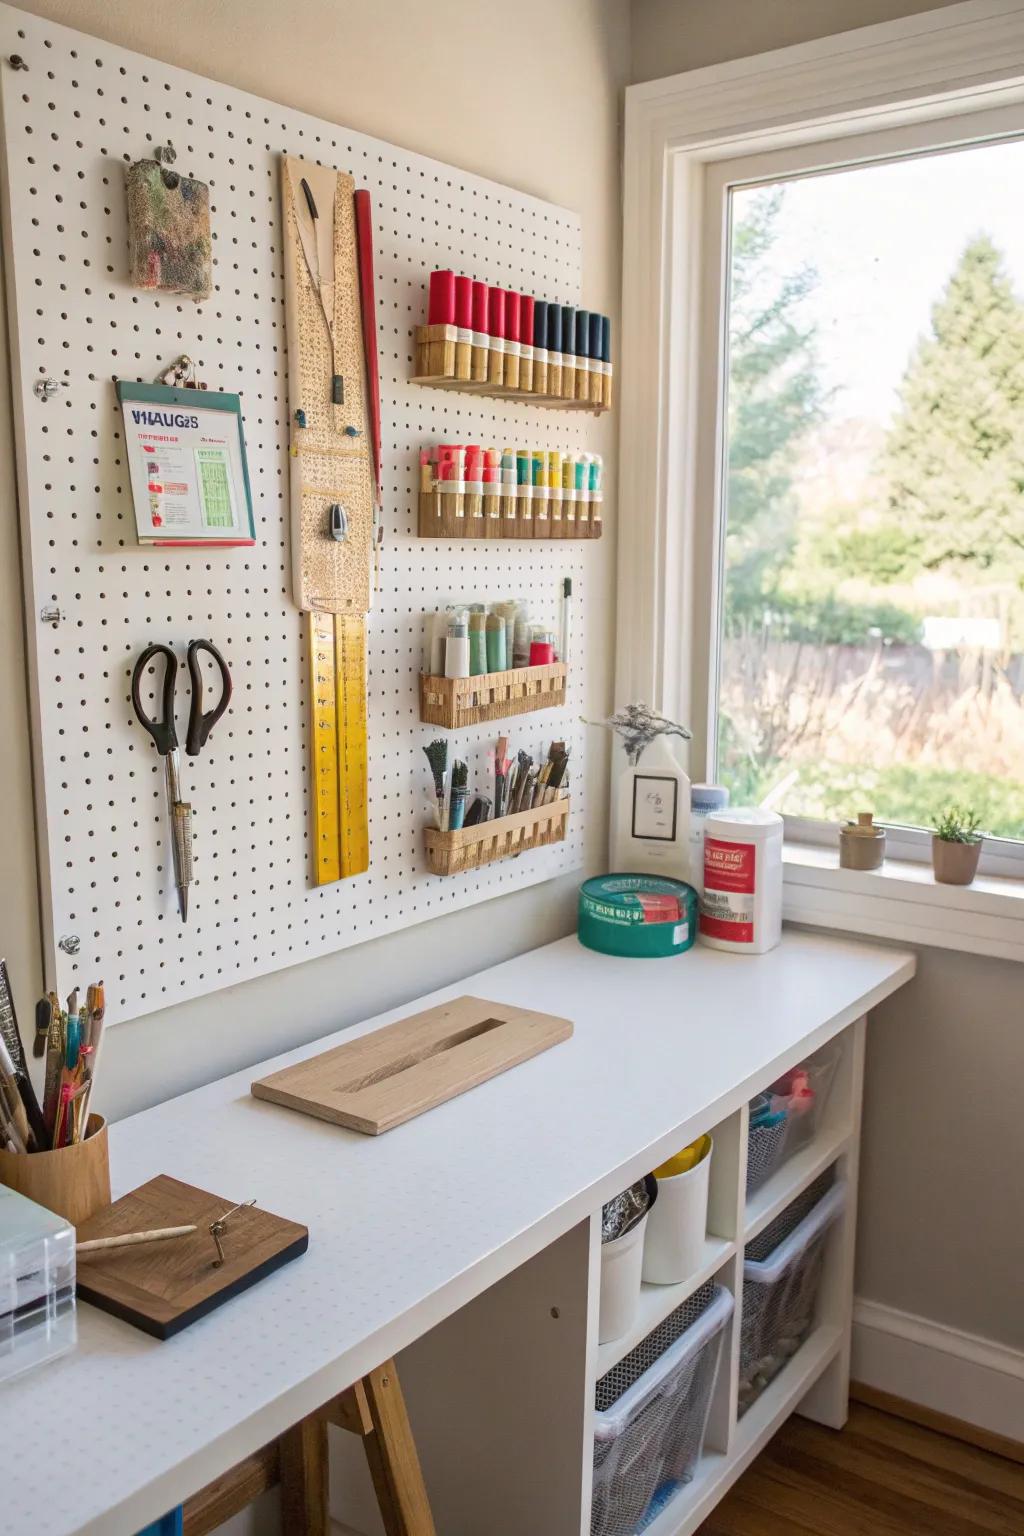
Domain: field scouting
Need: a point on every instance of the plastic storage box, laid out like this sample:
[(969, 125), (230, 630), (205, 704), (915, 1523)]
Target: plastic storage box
[(37, 1284), (782, 1121), (652, 1412), (782, 1270)]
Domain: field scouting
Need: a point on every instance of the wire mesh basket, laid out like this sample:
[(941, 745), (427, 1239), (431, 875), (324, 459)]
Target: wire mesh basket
[(770, 1144), (652, 1411), (782, 1270)]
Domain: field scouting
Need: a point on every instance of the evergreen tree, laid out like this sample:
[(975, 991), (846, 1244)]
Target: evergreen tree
[(954, 457), (774, 397)]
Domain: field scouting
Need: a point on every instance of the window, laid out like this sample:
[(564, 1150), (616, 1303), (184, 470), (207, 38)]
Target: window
[(870, 461)]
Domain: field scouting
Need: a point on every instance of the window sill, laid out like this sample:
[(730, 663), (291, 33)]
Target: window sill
[(902, 901)]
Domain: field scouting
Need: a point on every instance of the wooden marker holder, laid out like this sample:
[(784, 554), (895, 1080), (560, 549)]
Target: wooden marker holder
[(73, 1182), (435, 363), (443, 516), (385, 1078), (457, 701), (453, 853)]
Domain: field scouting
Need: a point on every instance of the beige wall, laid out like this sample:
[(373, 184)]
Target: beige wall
[(423, 77), (668, 36)]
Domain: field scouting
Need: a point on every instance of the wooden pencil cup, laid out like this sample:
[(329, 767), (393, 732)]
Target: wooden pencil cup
[(74, 1182)]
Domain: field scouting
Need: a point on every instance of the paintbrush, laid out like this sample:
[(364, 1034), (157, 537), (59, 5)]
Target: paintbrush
[(437, 757)]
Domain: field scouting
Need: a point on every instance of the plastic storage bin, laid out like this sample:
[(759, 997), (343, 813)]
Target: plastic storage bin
[(782, 1270), (652, 1413), (37, 1284), (795, 1118)]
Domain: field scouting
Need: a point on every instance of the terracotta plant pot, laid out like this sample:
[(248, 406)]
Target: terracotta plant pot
[(955, 863)]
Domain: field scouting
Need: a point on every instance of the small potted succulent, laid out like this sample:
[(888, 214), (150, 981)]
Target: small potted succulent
[(956, 846)]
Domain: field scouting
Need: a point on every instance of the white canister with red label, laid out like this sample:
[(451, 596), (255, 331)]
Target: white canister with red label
[(741, 908)]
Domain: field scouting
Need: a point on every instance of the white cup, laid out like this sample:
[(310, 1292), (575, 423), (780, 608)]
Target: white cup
[(621, 1262), (677, 1224)]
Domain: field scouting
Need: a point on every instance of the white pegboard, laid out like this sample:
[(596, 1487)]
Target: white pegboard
[(79, 113)]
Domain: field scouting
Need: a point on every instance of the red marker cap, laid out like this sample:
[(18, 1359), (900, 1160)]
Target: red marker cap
[(512, 312), (464, 302), (480, 317), (441, 308), (496, 311)]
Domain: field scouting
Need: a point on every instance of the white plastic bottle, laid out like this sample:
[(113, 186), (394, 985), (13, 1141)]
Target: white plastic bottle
[(651, 813), (741, 906), (704, 798)]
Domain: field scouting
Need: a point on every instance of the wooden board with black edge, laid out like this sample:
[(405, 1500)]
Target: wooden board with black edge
[(387, 1077), (163, 1287)]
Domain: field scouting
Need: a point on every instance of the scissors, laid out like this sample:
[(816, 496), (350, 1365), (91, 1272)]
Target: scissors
[(166, 741)]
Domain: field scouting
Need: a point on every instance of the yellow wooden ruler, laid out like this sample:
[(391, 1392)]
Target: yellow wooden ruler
[(337, 659)]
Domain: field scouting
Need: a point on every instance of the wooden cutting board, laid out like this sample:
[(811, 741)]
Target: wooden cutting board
[(382, 1079), (163, 1287)]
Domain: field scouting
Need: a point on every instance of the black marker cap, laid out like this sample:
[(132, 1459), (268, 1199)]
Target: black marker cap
[(583, 333), (596, 331), (606, 339), (540, 322), (568, 329), (555, 327)]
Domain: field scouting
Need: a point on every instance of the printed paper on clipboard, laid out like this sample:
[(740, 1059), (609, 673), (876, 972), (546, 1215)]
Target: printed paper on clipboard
[(186, 461)]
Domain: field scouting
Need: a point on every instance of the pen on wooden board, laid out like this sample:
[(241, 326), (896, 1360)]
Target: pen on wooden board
[(133, 1239)]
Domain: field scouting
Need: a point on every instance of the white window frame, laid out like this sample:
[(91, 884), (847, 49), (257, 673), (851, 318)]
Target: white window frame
[(894, 80)]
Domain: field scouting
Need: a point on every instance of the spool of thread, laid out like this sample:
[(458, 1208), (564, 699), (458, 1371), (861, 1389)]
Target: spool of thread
[(464, 325), (441, 303), (496, 334), (477, 644), (527, 321), (540, 347), (481, 341), (456, 653), (495, 642), (583, 354), (555, 359), (513, 312)]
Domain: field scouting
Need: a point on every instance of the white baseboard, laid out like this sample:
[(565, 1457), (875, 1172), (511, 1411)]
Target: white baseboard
[(940, 1368)]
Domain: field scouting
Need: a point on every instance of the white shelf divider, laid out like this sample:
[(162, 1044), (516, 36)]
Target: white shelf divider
[(792, 1179)]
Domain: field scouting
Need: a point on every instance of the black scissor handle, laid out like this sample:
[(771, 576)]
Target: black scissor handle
[(200, 725), (162, 731)]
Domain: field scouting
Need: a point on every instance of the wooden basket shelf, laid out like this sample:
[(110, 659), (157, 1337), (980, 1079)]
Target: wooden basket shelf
[(448, 517), (453, 853), (455, 701)]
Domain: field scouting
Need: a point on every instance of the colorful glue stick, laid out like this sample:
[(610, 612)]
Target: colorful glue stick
[(554, 389), (509, 512), (463, 327), (582, 354), (526, 326), (594, 351), (606, 361), (568, 389), (539, 481), (513, 310), (555, 494), (540, 347), (492, 493)]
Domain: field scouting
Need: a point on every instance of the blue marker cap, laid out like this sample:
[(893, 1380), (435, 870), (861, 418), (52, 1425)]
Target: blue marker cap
[(540, 323), (606, 339), (582, 333), (594, 340), (568, 329), (555, 327)]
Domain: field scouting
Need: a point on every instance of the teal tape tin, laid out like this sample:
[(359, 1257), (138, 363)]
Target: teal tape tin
[(642, 916)]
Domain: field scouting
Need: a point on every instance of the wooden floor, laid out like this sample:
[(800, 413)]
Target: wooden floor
[(879, 1477)]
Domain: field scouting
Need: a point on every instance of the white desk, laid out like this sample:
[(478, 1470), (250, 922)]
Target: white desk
[(407, 1228)]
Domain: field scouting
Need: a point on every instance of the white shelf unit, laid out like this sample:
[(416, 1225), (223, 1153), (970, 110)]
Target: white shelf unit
[(816, 1380)]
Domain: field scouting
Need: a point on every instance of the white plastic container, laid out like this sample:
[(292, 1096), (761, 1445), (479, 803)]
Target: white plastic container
[(676, 1225), (741, 904), (621, 1266), (651, 813), (704, 798)]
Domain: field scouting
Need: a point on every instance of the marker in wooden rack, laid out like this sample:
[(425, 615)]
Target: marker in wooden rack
[(582, 354), (526, 323), (606, 361), (463, 328), (496, 334), (512, 316), (441, 325), (594, 349), (568, 389), (481, 340), (554, 389), (540, 347)]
